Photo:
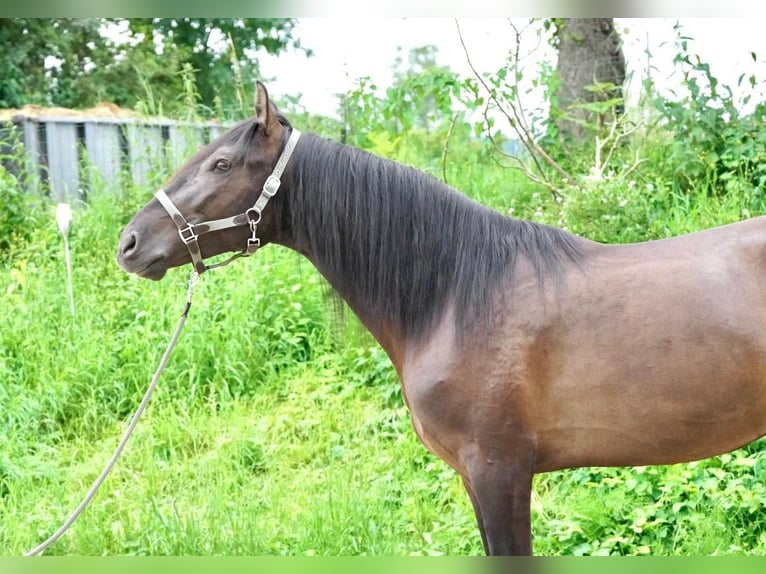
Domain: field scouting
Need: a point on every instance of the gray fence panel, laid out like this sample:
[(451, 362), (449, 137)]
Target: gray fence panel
[(116, 149), (184, 141), (216, 130), (32, 146), (63, 161), (102, 143), (147, 157)]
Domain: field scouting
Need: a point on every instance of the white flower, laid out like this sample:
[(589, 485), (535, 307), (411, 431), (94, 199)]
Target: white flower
[(64, 218)]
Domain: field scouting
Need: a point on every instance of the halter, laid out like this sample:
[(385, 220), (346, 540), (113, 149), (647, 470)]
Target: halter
[(190, 232)]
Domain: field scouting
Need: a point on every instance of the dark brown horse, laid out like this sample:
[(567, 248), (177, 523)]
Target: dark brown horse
[(520, 348)]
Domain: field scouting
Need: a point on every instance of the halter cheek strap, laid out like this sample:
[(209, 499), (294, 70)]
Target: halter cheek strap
[(190, 232)]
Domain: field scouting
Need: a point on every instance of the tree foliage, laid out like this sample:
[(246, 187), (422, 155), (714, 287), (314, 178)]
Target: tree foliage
[(421, 95), (31, 49), (78, 62), (221, 52)]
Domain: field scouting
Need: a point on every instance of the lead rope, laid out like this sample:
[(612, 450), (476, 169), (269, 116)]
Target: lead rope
[(193, 279)]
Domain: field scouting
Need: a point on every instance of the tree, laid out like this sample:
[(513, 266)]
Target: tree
[(43, 60), (591, 70), (220, 52), (422, 92), (421, 96), (75, 63)]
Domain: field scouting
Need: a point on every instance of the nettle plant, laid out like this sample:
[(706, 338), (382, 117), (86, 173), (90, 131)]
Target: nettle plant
[(714, 144)]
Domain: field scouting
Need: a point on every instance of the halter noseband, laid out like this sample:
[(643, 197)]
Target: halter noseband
[(189, 232)]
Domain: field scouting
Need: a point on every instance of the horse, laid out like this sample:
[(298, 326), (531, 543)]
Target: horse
[(520, 348)]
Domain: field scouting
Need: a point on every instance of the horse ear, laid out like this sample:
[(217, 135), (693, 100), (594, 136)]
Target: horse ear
[(262, 107)]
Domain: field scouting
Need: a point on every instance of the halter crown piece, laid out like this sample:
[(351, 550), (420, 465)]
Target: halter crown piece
[(190, 232)]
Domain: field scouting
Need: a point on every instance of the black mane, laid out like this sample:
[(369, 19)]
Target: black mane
[(402, 242)]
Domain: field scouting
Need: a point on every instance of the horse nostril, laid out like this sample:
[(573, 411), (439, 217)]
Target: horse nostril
[(128, 243)]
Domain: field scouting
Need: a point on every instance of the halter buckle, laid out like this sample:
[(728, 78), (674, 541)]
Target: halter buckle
[(271, 186), (187, 234)]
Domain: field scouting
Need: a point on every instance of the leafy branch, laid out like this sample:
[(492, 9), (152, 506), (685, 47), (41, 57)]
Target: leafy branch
[(513, 110)]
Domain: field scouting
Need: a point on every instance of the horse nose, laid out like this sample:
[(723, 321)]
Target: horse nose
[(128, 243)]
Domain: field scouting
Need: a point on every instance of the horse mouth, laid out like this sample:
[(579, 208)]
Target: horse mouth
[(153, 269)]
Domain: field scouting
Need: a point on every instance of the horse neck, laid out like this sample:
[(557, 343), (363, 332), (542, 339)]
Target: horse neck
[(351, 214)]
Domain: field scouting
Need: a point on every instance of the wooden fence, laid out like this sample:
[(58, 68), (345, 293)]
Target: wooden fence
[(66, 156)]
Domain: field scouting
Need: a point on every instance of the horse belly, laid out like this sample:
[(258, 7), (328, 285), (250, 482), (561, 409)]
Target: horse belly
[(679, 377), (632, 428)]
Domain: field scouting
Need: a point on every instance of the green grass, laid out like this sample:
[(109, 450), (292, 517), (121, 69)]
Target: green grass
[(278, 428), (313, 474)]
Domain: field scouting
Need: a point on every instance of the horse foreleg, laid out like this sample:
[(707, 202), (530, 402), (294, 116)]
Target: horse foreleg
[(477, 512), (501, 491)]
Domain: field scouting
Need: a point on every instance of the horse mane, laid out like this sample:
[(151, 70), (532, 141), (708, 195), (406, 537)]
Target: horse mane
[(402, 242)]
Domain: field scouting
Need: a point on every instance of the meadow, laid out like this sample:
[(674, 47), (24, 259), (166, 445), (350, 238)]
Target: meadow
[(278, 427)]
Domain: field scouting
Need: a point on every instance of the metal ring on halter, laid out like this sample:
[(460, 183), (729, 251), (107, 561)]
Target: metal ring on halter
[(253, 219)]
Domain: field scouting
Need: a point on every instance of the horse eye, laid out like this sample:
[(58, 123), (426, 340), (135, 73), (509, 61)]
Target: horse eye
[(222, 165)]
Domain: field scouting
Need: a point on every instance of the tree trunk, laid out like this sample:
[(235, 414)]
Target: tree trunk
[(590, 53)]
